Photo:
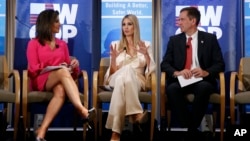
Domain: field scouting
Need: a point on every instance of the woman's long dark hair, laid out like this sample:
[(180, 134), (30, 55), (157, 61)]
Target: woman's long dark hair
[(43, 25)]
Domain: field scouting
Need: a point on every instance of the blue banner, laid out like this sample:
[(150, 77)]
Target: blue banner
[(218, 17), (2, 26), (247, 27)]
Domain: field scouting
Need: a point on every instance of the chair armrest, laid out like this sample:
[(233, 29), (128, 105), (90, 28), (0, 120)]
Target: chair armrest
[(153, 89), (16, 75), (25, 89), (222, 88), (95, 88), (163, 94), (233, 78), (84, 75), (232, 86)]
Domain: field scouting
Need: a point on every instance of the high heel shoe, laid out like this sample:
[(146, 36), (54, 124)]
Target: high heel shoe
[(92, 114), (90, 117), (39, 139), (143, 119)]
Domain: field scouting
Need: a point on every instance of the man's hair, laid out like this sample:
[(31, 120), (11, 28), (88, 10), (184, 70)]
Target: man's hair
[(193, 12), (44, 22)]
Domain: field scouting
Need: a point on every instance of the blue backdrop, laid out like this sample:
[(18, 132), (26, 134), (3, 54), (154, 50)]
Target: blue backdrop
[(247, 27), (2, 25)]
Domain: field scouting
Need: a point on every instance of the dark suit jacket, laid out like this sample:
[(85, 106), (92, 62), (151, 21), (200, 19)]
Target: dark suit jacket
[(209, 55)]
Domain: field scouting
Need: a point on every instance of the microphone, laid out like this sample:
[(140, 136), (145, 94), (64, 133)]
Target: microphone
[(124, 49), (22, 23), (57, 46)]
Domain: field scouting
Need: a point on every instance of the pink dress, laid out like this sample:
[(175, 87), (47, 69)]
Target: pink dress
[(40, 57)]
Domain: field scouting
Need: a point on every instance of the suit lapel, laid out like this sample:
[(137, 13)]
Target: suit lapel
[(183, 44), (200, 44)]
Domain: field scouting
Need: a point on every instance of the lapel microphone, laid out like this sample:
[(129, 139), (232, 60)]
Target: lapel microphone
[(124, 49)]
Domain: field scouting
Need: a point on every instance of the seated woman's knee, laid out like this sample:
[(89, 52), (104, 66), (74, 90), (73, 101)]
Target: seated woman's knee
[(63, 72)]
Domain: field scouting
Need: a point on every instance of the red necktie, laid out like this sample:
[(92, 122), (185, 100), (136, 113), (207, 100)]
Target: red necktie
[(189, 54)]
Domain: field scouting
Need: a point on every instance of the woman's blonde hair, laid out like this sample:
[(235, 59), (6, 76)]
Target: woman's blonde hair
[(136, 35)]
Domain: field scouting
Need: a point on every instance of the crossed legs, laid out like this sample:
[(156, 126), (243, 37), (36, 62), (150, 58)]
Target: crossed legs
[(62, 85)]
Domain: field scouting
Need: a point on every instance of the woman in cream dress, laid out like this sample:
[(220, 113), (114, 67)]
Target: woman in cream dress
[(131, 62)]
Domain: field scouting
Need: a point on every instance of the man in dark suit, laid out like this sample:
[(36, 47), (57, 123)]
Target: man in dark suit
[(206, 61)]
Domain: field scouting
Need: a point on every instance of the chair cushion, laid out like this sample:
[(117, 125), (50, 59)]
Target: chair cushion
[(6, 96), (38, 96), (145, 97), (214, 98), (43, 97), (105, 96), (243, 97)]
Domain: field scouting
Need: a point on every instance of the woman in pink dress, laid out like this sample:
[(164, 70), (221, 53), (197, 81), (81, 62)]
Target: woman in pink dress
[(46, 50)]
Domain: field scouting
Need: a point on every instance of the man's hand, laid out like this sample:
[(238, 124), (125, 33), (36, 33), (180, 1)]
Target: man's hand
[(198, 72)]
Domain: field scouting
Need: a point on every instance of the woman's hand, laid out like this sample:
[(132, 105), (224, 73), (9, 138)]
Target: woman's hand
[(113, 52), (142, 48), (74, 63)]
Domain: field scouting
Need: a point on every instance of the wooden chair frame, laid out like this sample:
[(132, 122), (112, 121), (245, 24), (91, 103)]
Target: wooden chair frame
[(236, 81), (11, 96)]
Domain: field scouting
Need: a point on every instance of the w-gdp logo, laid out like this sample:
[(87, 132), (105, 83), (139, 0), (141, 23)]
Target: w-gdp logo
[(210, 19), (67, 16)]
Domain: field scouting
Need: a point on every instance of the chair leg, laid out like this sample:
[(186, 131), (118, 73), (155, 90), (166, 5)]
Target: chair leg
[(3, 125), (16, 121), (75, 121), (152, 125), (96, 125), (222, 119), (214, 122), (163, 124), (100, 123), (84, 132), (169, 119)]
